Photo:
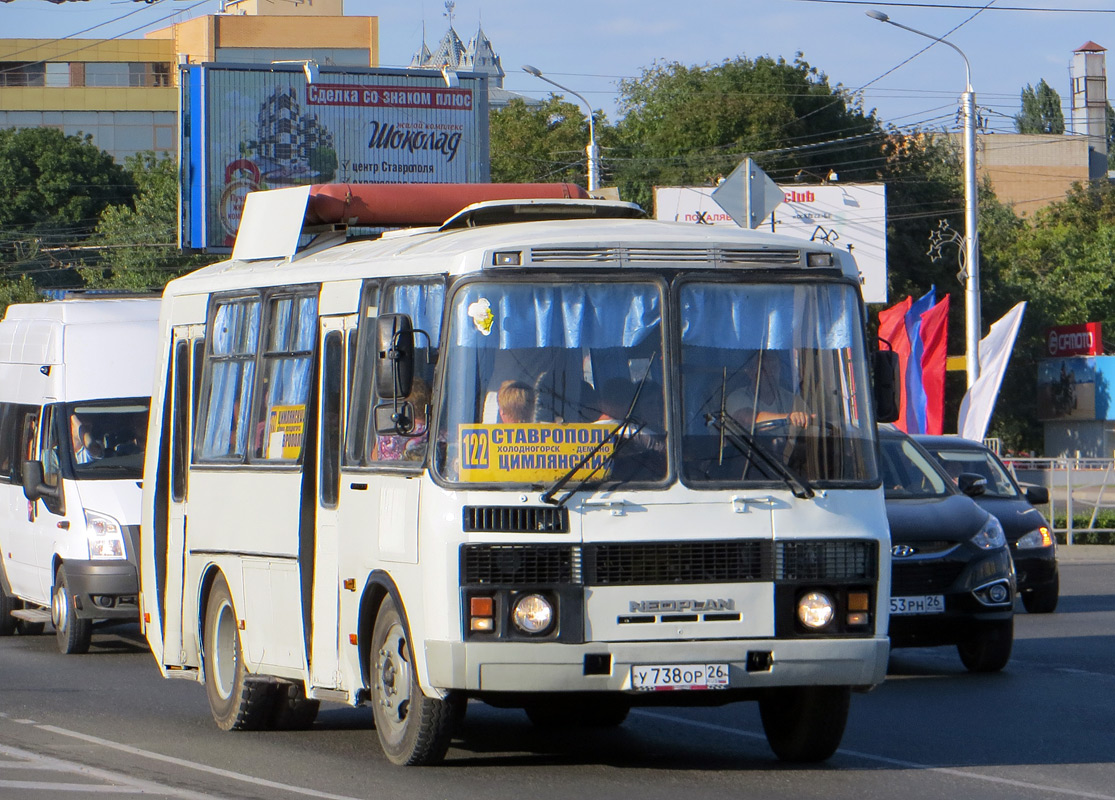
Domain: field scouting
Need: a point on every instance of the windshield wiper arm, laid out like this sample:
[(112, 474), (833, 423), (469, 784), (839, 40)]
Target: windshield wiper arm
[(746, 444)]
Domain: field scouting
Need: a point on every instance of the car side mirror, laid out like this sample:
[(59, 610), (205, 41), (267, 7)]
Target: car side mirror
[(888, 391), (1037, 495), (34, 488), (971, 484)]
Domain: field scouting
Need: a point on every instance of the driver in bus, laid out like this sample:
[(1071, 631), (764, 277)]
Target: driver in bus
[(764, 397)]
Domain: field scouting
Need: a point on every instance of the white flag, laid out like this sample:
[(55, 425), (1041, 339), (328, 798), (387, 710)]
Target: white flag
[(994, 353)]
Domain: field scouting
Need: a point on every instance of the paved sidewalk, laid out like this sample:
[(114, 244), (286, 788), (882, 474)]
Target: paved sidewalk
[(1086, 554)]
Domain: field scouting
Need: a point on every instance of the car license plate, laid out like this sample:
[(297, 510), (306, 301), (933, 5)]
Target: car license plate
[(924, 604), (663, 677)]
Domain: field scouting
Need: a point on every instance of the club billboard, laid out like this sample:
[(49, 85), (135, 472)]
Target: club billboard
[(848, 216), (250, 127)]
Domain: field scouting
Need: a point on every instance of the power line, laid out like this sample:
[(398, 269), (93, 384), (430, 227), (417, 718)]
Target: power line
[(958, 5)]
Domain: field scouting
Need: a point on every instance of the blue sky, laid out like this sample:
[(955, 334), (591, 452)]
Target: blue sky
[(589, 45)]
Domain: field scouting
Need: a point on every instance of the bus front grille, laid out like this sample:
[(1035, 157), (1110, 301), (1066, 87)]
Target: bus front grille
[(826, 560), (515, 519), (724, 561)]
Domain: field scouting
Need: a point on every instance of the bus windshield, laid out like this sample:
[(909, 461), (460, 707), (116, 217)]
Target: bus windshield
[(773, 372), (544, 376), (107, 437)]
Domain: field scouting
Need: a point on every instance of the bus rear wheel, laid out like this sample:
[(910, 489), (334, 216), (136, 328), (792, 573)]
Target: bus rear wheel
[(805, 723), (72, 633), (413, 730), (238, 700)]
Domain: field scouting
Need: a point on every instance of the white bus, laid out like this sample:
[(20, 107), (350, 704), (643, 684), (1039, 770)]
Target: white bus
[(75, 386), (529, 456)]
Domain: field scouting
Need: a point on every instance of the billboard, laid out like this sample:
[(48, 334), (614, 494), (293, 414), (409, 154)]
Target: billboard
[(250, 127), (1075, 340), (850, 216)]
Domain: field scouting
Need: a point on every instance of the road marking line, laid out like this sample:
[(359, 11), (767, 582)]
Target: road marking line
[(84, 788), (181, 762), (895, 762)]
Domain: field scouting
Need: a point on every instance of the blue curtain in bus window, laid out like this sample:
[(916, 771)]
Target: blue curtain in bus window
[(234, 335), (424, 303), (756, 317), (562, 316), (287, 376)]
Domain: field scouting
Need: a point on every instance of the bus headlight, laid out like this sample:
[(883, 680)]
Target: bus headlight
[(532, 613), (815, 609), (106, 538)]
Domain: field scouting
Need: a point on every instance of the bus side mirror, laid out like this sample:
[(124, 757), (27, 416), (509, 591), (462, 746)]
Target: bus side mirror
[(34, 488), (394, 355), (393, 419), (888, 394)]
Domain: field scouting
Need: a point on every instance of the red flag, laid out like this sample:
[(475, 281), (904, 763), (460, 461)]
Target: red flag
[(892, 329), (934, 337)]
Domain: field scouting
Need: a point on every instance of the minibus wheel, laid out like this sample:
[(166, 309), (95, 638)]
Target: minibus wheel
[(72, 633), (8, 604), (238, 700), (805, 723), (414, 730)]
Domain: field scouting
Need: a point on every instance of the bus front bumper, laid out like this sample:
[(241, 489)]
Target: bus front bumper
[(607, 666)]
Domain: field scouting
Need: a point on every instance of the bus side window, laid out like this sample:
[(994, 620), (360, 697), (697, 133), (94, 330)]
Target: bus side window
[(227, 390), (331, 399), (360, 439), (179, 461), (287, 370)]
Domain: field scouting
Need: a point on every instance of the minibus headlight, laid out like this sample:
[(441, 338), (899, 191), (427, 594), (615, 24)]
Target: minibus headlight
[(106, 538), (815, 609), (532, 613)]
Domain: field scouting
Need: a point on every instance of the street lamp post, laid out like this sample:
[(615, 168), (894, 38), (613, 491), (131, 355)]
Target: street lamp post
[(971, 221), (592, 151)]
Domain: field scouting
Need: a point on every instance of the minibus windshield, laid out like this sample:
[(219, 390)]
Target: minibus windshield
[(107, 437)]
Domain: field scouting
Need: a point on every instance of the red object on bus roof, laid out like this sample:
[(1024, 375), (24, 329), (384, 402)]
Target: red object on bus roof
[(406, 204)]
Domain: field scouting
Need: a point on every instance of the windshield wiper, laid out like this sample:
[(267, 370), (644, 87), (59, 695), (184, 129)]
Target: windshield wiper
[(612, 435), (743, 441)]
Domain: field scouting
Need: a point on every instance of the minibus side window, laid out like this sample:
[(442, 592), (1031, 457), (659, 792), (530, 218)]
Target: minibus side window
[(9, 441), (28, 436), (233, 333), (287, 372), (50, 450)]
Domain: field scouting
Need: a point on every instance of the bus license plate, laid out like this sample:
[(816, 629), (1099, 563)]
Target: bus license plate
[(663, 677), (924, 604)]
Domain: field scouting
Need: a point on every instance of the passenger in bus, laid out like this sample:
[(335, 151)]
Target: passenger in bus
[(765, 397), (86, 448), (516, 402), (411, 446)]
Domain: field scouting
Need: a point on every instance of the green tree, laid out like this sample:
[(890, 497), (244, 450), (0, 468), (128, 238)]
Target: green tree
[(691, 125), (53, 188), (544, 142), (1041, 110), (138, 241)]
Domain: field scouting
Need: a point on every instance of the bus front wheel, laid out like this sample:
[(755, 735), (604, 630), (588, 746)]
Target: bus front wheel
[(238, 700), (805, 723), (414, 730)]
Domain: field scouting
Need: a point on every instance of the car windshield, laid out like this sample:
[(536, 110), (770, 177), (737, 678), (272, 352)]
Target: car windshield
[(908, 472), (982, 463), (107, 437)]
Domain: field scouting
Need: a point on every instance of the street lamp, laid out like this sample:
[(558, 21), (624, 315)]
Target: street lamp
[(971, 229), (592, 151)]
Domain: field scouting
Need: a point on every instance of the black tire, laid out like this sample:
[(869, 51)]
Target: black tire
[(1043, 600), (237, 700), (805, 723), (989, 649), (25, 628), (8, 604), (292, 710), (414, 730), (607, 711), (72, 633)]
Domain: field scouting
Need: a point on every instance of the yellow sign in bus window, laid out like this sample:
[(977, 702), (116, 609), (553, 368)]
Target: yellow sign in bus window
[(284, 431), (534, 452)]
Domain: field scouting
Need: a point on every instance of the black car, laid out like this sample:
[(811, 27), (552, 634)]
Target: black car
[(952, 578), (1028, 533)]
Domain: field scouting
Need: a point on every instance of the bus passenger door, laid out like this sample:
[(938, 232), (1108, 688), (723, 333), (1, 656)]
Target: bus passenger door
[(175, 649), (326, 578)]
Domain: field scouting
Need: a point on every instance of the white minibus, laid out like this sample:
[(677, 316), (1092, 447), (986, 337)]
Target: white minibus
[(547, 454), (75, 387)]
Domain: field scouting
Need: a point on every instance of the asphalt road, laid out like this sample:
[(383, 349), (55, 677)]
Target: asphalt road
[(106, 725)]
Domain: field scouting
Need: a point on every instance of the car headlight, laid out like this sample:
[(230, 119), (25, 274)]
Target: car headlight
[(532, 613), (1042, 537), (990, 536), (815, 609), (106, 538)]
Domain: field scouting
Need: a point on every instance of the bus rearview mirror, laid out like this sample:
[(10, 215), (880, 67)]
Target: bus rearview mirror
[(887, 389), (394, 355)]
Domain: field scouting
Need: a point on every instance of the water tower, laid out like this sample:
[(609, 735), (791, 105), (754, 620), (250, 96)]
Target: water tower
[(1089, 104)]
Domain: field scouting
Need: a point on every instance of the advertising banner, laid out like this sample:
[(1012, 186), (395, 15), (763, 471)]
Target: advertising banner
[(850, 216), (1075, 340), (246, 128), (1067, 389)]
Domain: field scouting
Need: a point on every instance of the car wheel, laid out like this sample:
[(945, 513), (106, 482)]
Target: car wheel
[(805, 723), (72, 633), (989, 649), (603, 712), (413, 730), (1043, 600), (238, 700)]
